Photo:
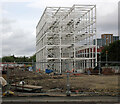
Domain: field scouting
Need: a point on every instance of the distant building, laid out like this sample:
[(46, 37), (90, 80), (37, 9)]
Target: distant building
[(107, 39), (99, 42), (115, 38)]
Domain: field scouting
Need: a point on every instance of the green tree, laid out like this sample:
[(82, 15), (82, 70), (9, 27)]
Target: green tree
[(32, 58), (113, 52), (103, 54), (18, 59), (8, 59)]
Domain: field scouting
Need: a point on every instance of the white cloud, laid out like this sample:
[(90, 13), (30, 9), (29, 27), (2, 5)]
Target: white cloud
[(20, 39), (17, 40), (43, 3), (4, 12), (107, 11), (107, 21), (0, 31), (16, 0)]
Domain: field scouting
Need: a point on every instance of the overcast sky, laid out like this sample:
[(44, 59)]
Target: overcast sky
[(18, 20)]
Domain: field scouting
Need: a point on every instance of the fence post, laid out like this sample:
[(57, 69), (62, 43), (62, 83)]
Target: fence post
[(34, 66), (68, 85), (106, 58), (8, 82), (99, 63)]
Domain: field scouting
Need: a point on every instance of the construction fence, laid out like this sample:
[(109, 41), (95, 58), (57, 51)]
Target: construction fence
[(78, 79)]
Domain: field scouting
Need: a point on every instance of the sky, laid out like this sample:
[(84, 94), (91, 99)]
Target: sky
[(18, 20)]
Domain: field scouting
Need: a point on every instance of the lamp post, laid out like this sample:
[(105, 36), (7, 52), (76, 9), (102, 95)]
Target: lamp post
[(68, 85)]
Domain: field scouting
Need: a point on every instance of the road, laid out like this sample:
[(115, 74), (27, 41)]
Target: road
[(61, 100)]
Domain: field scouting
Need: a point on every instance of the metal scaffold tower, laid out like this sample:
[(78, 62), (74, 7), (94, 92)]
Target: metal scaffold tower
[(65, 37)]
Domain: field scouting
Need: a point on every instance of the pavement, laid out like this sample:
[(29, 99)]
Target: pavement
[(61, 100)]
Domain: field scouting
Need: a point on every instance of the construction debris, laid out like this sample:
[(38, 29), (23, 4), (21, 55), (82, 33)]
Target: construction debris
[(30, 88), (42, 82)]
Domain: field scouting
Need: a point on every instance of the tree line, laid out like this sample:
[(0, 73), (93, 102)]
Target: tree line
[(19, 59)]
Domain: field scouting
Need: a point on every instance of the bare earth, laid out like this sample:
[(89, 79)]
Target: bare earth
[(78, 84)]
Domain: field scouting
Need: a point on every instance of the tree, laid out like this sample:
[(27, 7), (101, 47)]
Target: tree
[(18, 59), (33, 58), (113, 52), (103, 54), (8, 59)]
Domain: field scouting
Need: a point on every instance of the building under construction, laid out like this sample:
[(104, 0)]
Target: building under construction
[(64, 38)]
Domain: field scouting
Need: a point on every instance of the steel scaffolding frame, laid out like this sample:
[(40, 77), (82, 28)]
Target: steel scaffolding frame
[(66, 34)]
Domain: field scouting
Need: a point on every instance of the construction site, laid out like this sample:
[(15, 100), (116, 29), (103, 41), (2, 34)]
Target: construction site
[(66, 59), (23, 82)]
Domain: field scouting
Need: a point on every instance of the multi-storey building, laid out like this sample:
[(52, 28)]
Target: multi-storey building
[(65, 37), (115, 38), (107, 39)]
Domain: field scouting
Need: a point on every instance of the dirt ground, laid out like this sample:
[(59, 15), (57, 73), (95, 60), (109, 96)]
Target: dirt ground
[(58, 83)]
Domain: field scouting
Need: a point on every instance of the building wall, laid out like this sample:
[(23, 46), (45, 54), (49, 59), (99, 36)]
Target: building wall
[(104, 41), (108, 38), (100, 42), (115, 38)]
